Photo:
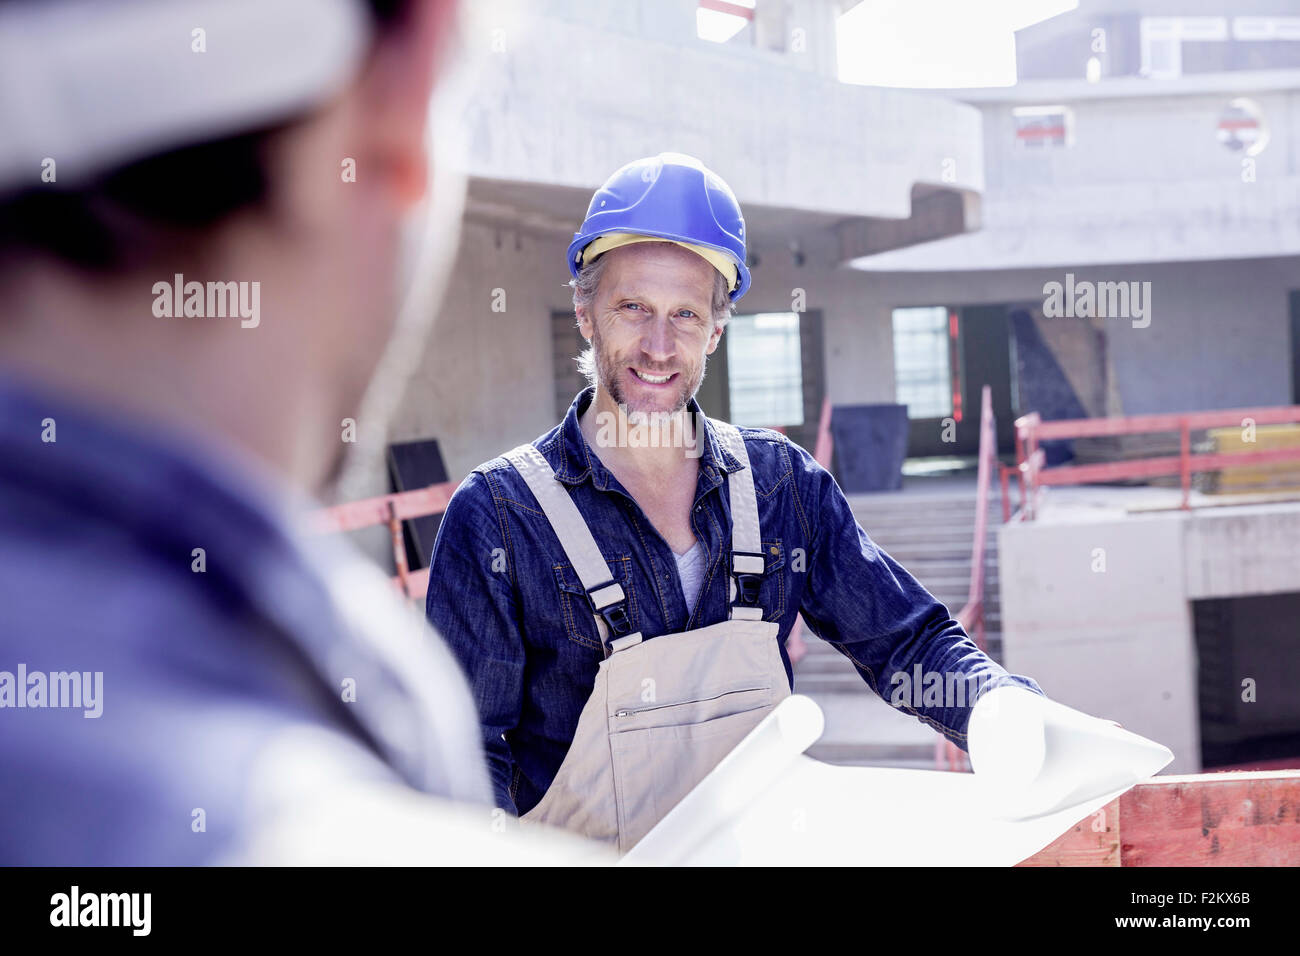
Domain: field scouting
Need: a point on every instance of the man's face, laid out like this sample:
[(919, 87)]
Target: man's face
[(651, 326)]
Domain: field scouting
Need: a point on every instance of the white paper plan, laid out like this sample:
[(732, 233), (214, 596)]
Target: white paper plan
[(1040, 768)]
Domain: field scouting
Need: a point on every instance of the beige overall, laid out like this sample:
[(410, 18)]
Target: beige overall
[(665, 710)]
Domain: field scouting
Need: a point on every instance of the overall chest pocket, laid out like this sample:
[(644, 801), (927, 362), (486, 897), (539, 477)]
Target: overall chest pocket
[(576, 611), (775, 587)]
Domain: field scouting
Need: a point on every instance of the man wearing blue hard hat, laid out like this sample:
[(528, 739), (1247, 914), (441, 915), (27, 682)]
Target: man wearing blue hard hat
[(619, 590)]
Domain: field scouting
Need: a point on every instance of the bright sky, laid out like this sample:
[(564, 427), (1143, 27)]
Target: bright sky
[(937, 43)]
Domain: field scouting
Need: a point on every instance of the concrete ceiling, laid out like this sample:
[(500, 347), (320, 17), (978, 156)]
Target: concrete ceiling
[(556, 212)]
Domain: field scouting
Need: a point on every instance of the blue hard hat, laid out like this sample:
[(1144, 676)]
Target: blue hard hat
[(671, 196)]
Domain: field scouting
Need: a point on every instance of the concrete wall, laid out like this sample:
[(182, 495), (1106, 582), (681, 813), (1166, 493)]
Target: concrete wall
[(1115, 643), (1245, 550), (584, 87), (1059, 47), (1145, 193), (1096, 605), (1145, 179), (1162, 140), (1219, 335), (485, 382)]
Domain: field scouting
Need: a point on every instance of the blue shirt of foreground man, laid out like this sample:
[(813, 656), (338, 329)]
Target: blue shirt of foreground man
[(184, 676), (658, 265)]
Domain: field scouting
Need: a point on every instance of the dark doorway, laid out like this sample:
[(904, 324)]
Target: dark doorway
[(979, 353), (1295, 347), (1248, 666)]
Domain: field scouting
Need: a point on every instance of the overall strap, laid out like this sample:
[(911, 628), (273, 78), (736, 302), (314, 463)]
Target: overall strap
[(747, 561), (608, 602)]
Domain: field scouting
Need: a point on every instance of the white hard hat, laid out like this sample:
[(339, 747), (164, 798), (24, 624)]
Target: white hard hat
[(95, 84)]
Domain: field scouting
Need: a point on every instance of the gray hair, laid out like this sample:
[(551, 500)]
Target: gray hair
[(584, 293)]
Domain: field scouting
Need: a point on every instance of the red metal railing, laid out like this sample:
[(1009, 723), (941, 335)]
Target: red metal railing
[(722, 6), (391, 510), (971, 616), (1033, 473)]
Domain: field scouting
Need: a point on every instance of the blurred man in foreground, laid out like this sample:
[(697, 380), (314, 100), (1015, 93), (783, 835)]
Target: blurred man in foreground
[(201, 214)]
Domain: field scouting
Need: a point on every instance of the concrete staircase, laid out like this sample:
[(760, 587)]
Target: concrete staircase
[(928, 528)]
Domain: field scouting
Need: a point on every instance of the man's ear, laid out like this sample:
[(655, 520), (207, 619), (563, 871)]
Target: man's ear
[(394, 93), (584, 321), (715, 338)]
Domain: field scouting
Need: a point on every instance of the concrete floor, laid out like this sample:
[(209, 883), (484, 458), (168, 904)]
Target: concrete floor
[(1069, 504)]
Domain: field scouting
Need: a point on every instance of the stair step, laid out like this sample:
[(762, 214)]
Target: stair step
[(817, 663), (822, 659), (932, 536), (896, 525), (902, 519), (947, 581), (930, 549), (905, 756), (951, 568), (816, 685), (905, 524)]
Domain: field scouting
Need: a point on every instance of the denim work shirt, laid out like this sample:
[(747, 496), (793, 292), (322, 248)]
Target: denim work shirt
[(506, 599), (163, 576)]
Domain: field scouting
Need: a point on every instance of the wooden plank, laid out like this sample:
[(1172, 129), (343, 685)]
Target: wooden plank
[(1276, 476), (1213, 819), (1093, 841), (1208, 819), (1266, 436)]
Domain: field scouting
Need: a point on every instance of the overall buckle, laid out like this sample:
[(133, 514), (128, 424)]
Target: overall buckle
[(609, 601), (616, 619), (747, 569), (747, 586)]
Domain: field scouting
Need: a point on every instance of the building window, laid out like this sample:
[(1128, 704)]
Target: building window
[(765, 369), (924, 343), (720, 20), (1162, 41), (1266, 28), (1043, 127)]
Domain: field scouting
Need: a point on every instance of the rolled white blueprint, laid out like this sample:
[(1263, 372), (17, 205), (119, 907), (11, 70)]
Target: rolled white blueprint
[(768, 804), (1034, 756)]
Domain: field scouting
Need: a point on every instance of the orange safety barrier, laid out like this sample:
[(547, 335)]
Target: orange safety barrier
[(390, 510), (1203, 819)]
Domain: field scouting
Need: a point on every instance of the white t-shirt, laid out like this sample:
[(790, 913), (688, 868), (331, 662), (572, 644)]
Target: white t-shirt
[(690, 568)]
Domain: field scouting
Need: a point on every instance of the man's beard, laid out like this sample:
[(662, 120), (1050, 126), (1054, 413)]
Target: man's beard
[(609, 379)]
